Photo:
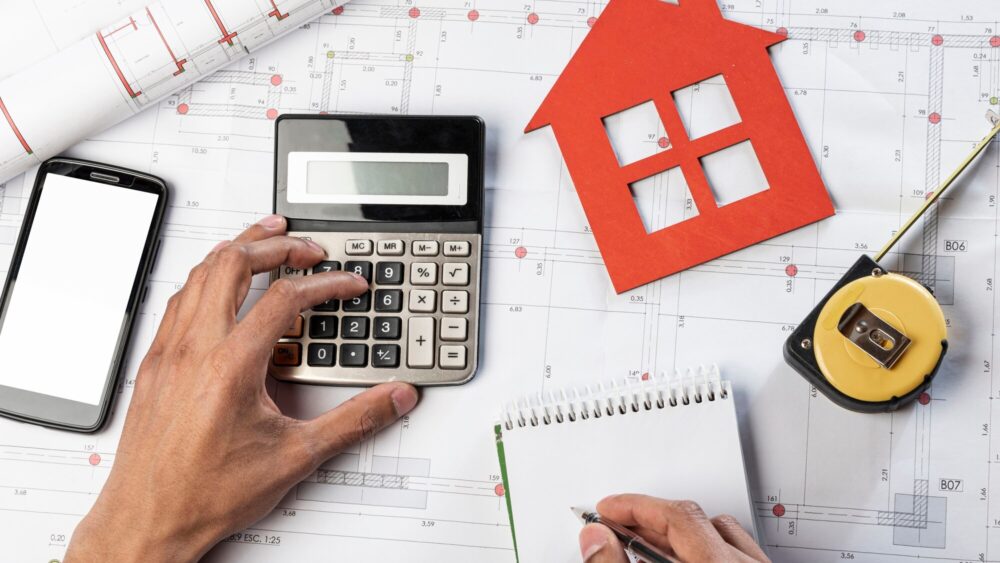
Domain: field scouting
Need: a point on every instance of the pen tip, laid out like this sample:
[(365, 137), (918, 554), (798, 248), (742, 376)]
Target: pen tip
[(578, 512)]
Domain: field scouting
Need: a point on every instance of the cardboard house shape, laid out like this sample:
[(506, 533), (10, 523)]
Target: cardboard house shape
[(644, 50)]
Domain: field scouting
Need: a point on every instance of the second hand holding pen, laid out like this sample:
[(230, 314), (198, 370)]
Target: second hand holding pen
[(633, 543)]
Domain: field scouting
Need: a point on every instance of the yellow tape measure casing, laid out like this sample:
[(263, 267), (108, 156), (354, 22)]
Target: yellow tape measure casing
[(900, 302)]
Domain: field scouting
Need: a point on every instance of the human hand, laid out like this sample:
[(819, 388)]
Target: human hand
[(679, 528), (205, 452)]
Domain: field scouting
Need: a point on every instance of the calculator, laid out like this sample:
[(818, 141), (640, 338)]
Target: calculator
[(397, 200)]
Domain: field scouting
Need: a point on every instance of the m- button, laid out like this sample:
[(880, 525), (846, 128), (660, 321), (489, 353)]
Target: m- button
[(425, 248)]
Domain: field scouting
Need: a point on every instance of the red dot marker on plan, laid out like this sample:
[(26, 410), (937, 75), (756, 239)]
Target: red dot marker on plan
[(663, 142), (338, 10), (183, 109), (272, 113), (924, 398), (778, 510), (473, 15), (937, 40), (995, 41), (791, 270), (591, 21), (521, 252), (859, 36), (94, 459), (414, 12), (934, 118), (499, 490), (276, 80), (532, 18)]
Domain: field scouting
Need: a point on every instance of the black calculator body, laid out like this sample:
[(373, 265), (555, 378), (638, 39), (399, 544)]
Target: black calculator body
[(398, 200)]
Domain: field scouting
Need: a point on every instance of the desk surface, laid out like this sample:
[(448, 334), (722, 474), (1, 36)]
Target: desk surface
[(888, 104)]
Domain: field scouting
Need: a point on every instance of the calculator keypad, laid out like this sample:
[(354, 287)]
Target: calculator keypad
[(417, 323)]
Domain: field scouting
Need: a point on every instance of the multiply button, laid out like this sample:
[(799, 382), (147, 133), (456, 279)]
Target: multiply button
[(358, 248), (425, 248), (423, 301), (390, 248), (462, 248), (420, 342)]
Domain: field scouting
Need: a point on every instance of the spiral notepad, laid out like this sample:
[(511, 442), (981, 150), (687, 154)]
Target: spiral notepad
[(672, 437)]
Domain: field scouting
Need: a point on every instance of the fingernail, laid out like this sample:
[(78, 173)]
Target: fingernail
[(220, 245), (404, 398), (593, 539), (314, 246), (593, 549), (359, 277), (272, 222)]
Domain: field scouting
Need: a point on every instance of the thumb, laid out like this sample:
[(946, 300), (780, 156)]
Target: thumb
[(599, 545), (360, 418)]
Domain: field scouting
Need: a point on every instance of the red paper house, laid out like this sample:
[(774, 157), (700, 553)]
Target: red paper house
[(644, 50)]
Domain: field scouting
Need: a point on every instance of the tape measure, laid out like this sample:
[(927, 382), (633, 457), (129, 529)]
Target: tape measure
[(875, 342)]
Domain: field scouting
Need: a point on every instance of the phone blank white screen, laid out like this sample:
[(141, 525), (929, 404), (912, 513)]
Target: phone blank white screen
[(69, 301)]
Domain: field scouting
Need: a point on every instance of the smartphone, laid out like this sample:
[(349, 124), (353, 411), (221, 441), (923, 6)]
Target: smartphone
[(78, 274)]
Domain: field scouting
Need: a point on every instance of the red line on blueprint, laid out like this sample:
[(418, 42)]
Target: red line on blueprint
[(17, 132), (118, 70), (276, 12), (179, 63), (227, 36), (131, 22)]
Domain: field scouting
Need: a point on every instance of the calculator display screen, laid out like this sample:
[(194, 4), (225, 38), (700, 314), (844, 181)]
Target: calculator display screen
[(377, 178), (60, 331)]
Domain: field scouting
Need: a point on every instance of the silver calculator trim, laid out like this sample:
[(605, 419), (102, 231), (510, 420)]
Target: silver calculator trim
[(337, 375)]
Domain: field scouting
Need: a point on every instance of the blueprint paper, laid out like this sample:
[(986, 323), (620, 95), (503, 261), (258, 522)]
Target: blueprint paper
[(48, 105), (889, 95)]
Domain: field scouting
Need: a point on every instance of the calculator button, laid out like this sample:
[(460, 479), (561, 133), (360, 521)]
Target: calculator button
[(331, 306), (295, 331), (385, 356), (321, 355), (424, 273), (423, 301), (454, 329), (456, 274), (353, 355), (290, 272), (391, 247), (388, 300), (288, 354), (455, 302), (324, 267), (452, 357), (388, 328), (354, 328), (358, 248), (462, 248), (360, 304), (322, 327), (425, 248), (420, 342), (389, 273), (363, 269)]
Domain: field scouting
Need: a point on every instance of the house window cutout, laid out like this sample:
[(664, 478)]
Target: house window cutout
[(706, 107), (663, 200), (635, 133), (734, 173)]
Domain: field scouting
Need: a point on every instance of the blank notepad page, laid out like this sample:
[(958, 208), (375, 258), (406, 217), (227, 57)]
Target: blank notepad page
[(688, 451)]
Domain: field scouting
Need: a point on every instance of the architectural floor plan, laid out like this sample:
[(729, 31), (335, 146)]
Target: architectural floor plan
[(890, 96)]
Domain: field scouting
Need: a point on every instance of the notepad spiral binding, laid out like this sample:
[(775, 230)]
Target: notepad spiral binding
[(681, 388)]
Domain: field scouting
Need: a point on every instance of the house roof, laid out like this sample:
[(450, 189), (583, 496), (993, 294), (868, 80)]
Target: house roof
[(646, 45)]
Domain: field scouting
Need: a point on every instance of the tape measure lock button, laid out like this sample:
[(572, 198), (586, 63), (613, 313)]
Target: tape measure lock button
[(873, 335)]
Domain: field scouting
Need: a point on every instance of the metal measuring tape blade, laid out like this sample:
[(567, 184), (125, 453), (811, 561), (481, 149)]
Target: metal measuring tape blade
[(876, 340)]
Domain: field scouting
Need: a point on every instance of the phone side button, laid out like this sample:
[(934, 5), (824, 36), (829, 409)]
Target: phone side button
[(156, 254), (145, 290)]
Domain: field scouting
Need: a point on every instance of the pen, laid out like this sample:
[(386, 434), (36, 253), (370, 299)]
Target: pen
[(634, 544)]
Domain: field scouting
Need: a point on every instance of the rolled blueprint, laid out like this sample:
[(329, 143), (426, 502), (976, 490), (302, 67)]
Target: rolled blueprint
[(132, 64)]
